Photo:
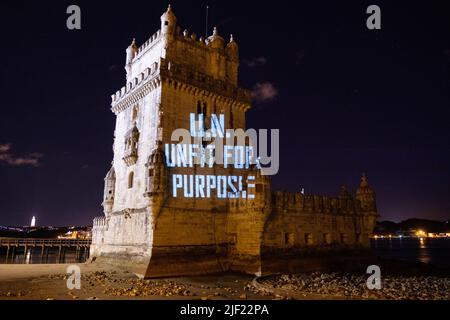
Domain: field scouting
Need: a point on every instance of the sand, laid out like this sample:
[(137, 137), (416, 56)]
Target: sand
[(49, 281)]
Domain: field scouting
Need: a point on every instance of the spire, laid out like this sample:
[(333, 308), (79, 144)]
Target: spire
[(366, 195), (364, 182), (364, 188), (133, 43), (215, 41), (169, 16)]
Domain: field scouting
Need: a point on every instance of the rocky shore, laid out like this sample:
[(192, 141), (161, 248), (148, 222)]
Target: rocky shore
[(349, 286), (44, 282)]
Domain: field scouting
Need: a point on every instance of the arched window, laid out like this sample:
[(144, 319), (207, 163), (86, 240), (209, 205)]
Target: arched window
[(130, 180), (204, 109), (199, 107)]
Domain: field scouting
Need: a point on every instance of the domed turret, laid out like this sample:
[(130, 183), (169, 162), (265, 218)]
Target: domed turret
[(168, 25), (366, 195), (232, 50), (215, 41), (131, 53), (108, 193), (232, 64), (157, 156), (156, 165)]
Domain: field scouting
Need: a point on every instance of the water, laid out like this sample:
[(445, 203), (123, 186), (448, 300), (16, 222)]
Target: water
[(434, 251), (33, 256)]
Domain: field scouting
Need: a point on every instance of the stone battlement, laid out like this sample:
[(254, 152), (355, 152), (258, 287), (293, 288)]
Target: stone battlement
[(180, 75), (147, 45), (315, 203)]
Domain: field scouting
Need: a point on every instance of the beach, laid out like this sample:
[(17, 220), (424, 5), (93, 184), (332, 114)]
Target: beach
[(104, 282), (49, 282)]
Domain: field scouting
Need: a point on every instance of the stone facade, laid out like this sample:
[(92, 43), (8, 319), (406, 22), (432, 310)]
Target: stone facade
[(147, 230)]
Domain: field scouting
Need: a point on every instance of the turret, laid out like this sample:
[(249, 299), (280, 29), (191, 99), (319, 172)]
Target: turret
[(215, 41), (366, 195), (156, 178), (262, 190), (218, 61), (168, 26), (232, 53), (108, 193), (131, 53), (232, 50)]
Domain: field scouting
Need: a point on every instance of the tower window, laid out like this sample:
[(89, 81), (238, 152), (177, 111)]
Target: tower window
[(130, 180), (289, 239), (205, 109), (150, 172), (326, 238), (166, 23), (199, 107)]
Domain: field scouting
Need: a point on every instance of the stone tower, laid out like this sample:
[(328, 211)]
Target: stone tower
[(169, 77), (152, 228)]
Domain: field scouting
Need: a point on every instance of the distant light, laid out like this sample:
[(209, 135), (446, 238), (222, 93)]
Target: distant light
[(33, 222), (421, 233)]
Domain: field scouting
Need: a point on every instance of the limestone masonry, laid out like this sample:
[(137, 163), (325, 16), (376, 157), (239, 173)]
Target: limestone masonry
[(152, 233)]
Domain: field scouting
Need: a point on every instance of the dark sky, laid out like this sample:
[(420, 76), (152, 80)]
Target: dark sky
[(346, 99)]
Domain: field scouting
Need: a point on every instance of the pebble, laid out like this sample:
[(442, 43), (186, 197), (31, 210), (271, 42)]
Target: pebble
[(354, 286)]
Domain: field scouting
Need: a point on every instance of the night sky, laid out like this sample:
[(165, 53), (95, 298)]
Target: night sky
[(346, 99)]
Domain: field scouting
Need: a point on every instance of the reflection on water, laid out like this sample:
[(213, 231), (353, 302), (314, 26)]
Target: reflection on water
[(422, 243), (28, 257), (428, 250), (36, 256)]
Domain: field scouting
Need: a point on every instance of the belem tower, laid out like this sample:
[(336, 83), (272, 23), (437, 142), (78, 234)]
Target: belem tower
[(154, 234)]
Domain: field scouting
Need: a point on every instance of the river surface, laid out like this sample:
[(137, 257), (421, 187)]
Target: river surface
[(434, 251)]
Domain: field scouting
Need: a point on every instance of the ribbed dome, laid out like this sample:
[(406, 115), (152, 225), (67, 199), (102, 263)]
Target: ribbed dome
[(111, 174), (232, 48), (215, 41), (169, 16), (364, 188), (157, 155)]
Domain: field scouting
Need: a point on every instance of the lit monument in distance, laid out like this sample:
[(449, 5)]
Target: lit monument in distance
[(33, 222)]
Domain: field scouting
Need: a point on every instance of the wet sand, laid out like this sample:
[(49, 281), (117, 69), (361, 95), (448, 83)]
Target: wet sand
[(42, 282), (105, 282)]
